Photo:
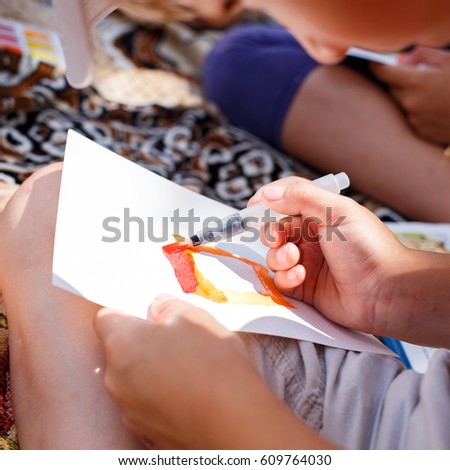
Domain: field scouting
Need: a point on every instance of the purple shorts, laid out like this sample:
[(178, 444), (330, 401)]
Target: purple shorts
[(253, 74)]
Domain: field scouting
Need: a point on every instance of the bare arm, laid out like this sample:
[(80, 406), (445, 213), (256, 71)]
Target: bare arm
[(420, 300)]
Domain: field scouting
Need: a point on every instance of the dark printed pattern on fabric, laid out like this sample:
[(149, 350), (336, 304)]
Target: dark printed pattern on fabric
[(193, 147)]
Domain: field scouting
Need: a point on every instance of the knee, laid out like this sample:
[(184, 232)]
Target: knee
[(36, 196), (30, 215)]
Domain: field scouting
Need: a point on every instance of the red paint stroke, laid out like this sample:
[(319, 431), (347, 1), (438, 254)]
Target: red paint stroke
[(183, 264), (191, 280)]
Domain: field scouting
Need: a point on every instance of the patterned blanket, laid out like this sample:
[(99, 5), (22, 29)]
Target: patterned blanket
[(8, 438), (147, 106)]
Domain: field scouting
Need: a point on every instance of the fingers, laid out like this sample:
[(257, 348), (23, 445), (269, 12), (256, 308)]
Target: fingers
[(109, 321), (165, 310), (397, 76), (304, 198), (290, 279), (284, 262), (425, 55), (294, 196), (168, 310), (323, 213), (283, 258), (257, 197), (288, 229), (273, 235)]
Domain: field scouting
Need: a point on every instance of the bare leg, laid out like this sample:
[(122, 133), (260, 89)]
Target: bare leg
[(56, 361), (340, 121)]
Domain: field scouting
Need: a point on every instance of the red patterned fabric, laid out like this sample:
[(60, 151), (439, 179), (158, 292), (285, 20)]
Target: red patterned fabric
[(8, 438)]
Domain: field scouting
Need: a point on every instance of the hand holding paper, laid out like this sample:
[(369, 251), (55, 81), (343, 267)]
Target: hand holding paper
[(184, 371), (108, 249), (342, 262), (420, 86)]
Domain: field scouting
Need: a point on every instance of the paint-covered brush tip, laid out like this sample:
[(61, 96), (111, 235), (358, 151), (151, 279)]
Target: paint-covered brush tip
[(179, 238)]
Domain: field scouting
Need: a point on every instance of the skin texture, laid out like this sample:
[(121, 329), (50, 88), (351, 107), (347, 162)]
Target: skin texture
[(327, 28), (421, 87), (51, 327), (373, 143)]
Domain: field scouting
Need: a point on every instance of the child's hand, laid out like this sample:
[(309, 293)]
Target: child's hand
[(341, 259), (183, 381), (421, 86), (157, 373)]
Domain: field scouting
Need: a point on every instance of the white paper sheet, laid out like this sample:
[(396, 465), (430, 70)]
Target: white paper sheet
[(127, 275)]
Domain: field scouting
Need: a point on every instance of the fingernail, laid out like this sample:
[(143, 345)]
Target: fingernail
[(291, 275), (273, 231), (268, 235), (282, 254), (274, 193), (254, 200), (159, 299)]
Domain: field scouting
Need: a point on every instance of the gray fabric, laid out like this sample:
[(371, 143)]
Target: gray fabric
[(358, 400)]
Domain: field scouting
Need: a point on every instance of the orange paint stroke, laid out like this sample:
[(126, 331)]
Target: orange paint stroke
[(192, 280)]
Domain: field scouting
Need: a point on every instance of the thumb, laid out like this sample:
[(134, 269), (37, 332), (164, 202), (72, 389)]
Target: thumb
[(425, 55), (302, 197), (168, 310), (108, 321)]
